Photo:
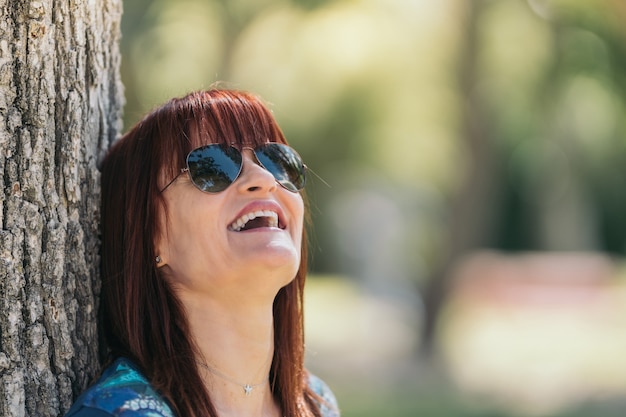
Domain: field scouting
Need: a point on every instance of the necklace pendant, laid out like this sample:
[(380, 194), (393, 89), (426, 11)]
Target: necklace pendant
[(248, 389)]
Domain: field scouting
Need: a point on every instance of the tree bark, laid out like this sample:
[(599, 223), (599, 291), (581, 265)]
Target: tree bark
[(60, 108)]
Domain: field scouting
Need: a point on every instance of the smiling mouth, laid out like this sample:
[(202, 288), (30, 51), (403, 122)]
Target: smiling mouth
[(255, 220)]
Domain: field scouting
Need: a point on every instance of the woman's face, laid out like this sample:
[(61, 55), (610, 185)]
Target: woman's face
[(208, 246)]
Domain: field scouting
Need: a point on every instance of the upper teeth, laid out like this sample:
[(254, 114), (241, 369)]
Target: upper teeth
[(238, 224)]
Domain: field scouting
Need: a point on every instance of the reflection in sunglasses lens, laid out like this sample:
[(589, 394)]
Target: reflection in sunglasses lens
[(284, 163), (213, 168)]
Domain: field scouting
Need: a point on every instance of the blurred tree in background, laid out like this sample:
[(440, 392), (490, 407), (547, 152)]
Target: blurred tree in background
[(440, 126), (542, 133)]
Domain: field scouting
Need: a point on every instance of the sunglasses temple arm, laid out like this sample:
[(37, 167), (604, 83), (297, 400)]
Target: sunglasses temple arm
[(182, 171), (318, 177)]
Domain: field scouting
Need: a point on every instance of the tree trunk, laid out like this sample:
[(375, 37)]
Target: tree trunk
[(473, 207), (60, 108)]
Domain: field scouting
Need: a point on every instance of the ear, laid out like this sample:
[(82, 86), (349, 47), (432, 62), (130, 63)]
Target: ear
[(160, 252)]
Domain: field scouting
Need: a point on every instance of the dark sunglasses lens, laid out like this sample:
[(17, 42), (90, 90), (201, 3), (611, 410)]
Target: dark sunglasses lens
[(213, 168), (284, 163)]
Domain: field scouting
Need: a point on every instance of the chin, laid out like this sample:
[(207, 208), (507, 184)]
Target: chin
[(285, 264)]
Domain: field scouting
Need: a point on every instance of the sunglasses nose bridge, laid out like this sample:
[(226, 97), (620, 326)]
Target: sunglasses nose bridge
[(254, 176), (248, 153)]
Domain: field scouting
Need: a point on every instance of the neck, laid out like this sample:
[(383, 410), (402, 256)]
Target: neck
[(235, 345)]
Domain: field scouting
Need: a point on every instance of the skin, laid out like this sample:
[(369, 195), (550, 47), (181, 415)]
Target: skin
[(228, 280)]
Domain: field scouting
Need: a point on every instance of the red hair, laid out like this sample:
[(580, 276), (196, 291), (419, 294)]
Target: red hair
[(140, 316)]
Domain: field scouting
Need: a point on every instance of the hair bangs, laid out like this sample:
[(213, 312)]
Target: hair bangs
[(231, 118)]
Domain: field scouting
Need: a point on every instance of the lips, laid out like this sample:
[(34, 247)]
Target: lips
[(256, 216)]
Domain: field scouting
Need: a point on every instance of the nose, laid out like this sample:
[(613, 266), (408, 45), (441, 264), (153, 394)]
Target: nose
[(253, 176)]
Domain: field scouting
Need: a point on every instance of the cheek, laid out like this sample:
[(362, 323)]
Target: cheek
[(160, 236), (176, 224), (299, 216)]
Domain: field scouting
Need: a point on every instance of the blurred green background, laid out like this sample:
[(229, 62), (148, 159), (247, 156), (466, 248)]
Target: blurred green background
[(468, 230)]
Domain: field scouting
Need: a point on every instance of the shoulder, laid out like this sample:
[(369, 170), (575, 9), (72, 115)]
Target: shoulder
[(121, 391), (328, 406)]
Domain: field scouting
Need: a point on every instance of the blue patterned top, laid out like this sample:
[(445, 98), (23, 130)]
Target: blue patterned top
[(122, 391)]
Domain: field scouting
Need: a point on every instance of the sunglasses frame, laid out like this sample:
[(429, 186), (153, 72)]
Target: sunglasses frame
[(295, 189)]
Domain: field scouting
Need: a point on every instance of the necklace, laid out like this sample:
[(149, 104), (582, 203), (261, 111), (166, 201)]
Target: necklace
[(247, 388)]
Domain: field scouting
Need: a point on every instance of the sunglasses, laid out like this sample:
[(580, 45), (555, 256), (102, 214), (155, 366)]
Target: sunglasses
[(212, 168)]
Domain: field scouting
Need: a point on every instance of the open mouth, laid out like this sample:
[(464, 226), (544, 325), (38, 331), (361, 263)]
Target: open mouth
[(255, 220)]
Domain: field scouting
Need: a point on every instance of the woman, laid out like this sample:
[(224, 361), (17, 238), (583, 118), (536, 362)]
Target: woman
[(203, 263)]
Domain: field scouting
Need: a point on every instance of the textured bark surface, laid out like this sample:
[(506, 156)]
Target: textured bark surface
[(60, 108)]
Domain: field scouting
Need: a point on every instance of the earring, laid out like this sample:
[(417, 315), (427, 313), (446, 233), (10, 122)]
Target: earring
[(158, 259)]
